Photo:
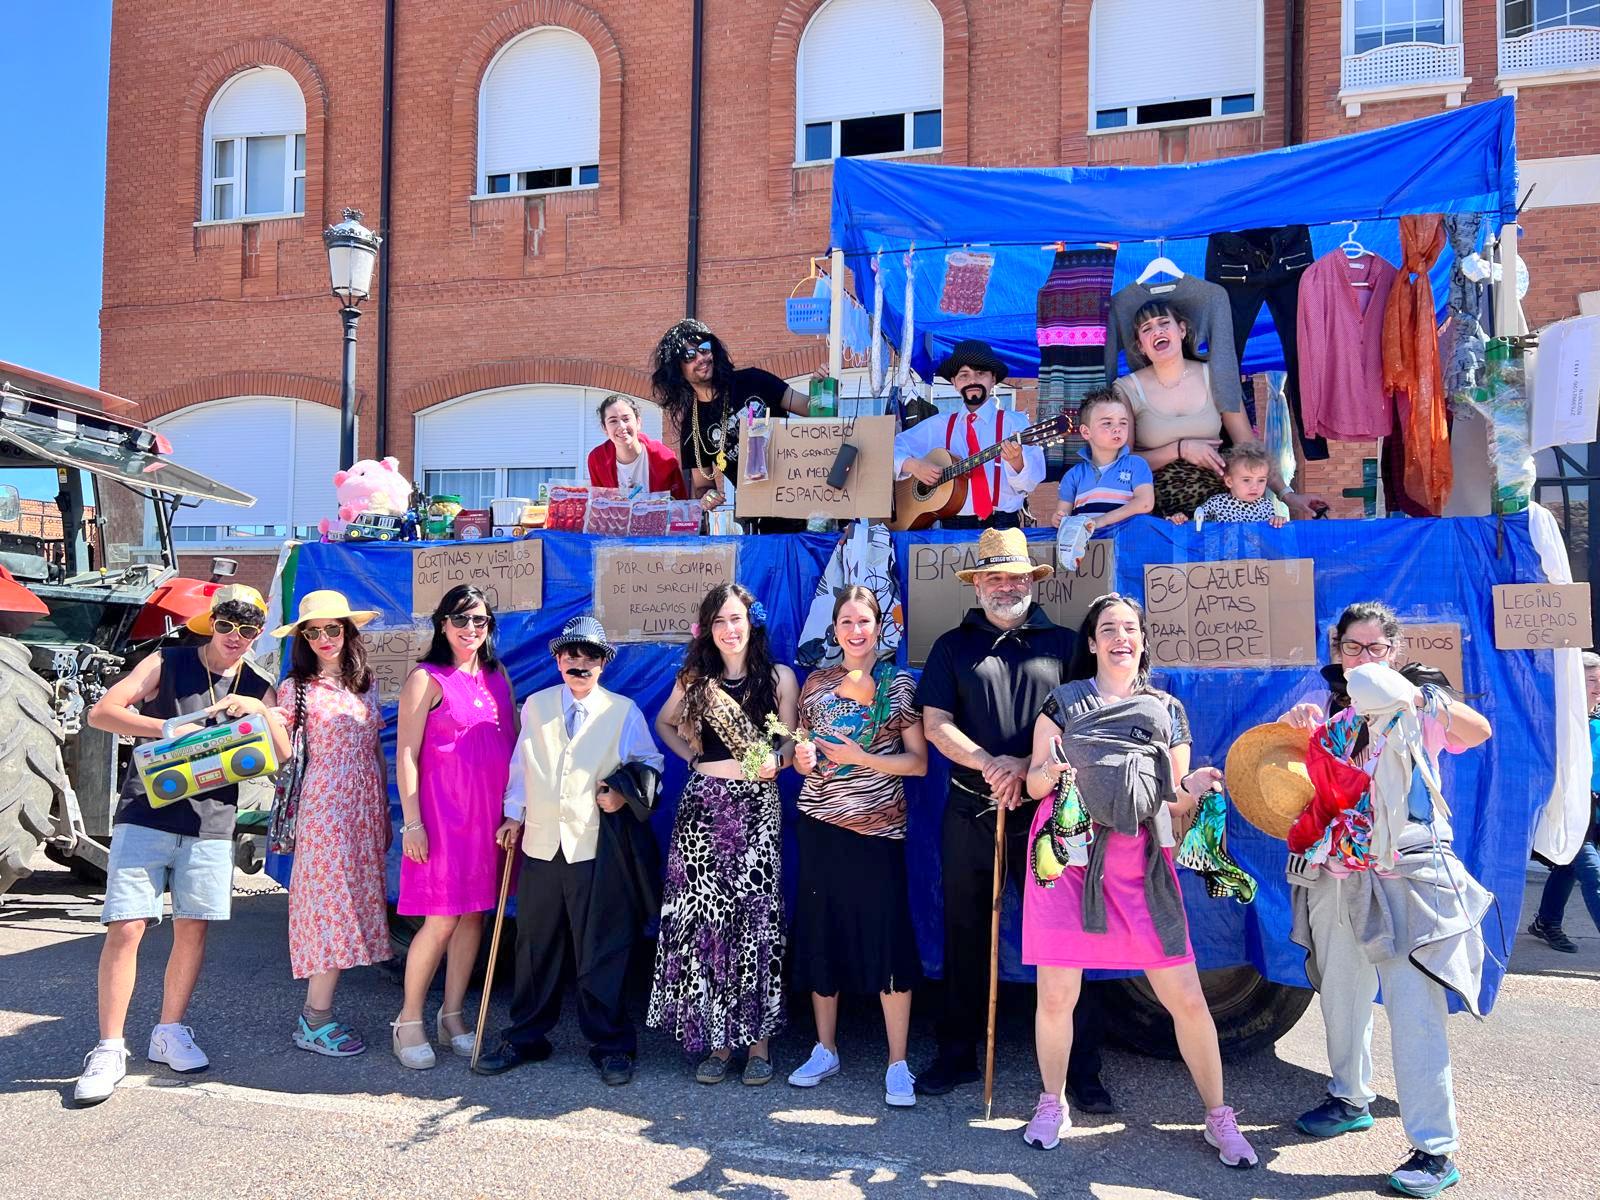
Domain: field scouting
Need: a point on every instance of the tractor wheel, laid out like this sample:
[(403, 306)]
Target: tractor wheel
[(1251, 1012), (33, 779)]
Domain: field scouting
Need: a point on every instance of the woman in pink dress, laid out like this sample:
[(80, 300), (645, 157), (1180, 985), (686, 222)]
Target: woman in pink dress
[(338, 915), (1110, 898), (453, 753)]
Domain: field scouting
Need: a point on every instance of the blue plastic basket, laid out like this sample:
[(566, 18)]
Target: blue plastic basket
[(806, 314)]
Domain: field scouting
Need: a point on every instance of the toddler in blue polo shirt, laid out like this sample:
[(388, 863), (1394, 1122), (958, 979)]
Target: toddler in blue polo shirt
[(1111, 483)]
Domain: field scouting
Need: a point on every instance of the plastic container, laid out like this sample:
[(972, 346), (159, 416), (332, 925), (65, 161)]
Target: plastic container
[(824, 397), (684, 517), (568, 509), (508, 509), (650, 517), (608, 513), (806, 314)]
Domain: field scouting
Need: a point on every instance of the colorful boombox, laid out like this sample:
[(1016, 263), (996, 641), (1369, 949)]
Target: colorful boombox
[(176, 768)]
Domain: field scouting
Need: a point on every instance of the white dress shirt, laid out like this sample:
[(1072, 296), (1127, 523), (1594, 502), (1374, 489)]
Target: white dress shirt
[(1015, 486), (637, 745)]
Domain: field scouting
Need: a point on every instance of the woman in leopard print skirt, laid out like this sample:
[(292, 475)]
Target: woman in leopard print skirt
[(718, 982)]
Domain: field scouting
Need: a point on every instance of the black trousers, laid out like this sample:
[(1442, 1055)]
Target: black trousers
[(998, 519), (1263, 266), (967, 864), (554, 901)]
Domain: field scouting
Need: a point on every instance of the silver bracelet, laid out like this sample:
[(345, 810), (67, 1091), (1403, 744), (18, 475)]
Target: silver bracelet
[(411, 827)]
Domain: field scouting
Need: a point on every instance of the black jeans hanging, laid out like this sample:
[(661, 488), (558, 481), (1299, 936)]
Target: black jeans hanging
[(1263, 266)]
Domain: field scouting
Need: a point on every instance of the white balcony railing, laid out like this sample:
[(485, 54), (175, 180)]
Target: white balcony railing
[(1560, 48), (1401, 64)]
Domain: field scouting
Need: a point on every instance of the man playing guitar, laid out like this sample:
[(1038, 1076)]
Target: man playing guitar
[(996, 492)]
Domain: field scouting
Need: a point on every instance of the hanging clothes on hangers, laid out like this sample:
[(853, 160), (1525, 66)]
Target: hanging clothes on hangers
[(1411, 366), (1264, 266), (1203, 306), (1339, 331), (1072, 307)]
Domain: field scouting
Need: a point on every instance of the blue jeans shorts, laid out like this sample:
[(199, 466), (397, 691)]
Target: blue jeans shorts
[(146, 862)]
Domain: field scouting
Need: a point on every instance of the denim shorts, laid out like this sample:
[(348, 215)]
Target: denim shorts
[(146, 862)]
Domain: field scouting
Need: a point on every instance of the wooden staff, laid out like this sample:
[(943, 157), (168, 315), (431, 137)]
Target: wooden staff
[(494, 952), (994, 956)]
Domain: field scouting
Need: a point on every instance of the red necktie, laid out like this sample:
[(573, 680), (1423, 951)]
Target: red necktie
[(982, 502)]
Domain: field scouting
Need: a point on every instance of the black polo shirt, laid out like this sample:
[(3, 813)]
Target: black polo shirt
[(994, 682)]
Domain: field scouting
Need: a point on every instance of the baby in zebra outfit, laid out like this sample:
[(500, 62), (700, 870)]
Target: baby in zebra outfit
[(1247, 497)]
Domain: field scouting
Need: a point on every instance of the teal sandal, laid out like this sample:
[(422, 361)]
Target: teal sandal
[(333, 1039)]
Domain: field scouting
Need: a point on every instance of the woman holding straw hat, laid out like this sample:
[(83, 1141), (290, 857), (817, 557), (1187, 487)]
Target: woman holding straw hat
[(338, 915), (1374, 837), (1103, 892)]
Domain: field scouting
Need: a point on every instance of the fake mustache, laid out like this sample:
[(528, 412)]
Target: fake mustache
[(579, 672)]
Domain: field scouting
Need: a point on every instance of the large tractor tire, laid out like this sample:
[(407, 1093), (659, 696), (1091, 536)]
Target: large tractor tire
[(33, 780), (1250, 1011)]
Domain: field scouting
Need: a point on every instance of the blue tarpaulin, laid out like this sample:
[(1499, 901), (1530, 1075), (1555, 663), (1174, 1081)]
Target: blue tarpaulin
[(1458, 161), (1433, 570)]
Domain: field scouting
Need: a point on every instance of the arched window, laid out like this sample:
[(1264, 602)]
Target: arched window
[(281, 451), (1155, 62), (508, 441), (539, 115), (869, 79), (255, 140)]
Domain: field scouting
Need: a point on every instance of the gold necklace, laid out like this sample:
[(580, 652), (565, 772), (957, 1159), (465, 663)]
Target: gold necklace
[(719, 459)]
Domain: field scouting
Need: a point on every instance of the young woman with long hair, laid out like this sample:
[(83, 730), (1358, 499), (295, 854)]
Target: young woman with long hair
[(453, 750), (338, 910), (718, 981), (1115, 903), (852, 927)]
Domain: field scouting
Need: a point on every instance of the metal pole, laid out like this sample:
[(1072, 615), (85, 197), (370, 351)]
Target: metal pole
[(691, 289), (347, 390), (836, 313)]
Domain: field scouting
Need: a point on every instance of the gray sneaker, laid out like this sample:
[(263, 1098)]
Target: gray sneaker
[(822, 1064), (899, 1086), (103, 1069)]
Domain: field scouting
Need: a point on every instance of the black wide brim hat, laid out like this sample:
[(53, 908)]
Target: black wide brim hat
[(973, 353), (583, 631)]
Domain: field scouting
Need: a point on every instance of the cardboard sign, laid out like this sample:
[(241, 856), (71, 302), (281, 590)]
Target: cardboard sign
[(936, 600), (655, 596), (1436, 645), (1247, 612), (392, 653), (800, 453), (1541, 616), (511, 574)]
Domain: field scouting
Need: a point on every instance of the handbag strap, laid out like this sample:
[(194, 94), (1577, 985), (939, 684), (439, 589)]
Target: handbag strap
[(301, 742)]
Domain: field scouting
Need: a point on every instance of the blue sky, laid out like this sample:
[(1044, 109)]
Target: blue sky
[(54, 60)]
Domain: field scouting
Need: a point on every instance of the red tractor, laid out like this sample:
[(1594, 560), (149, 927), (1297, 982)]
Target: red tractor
[(88, 585)]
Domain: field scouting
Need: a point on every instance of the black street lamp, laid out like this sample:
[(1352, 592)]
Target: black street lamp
[(352, 255)]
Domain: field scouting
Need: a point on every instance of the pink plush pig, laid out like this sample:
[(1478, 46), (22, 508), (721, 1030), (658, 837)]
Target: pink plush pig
[(368, 486)]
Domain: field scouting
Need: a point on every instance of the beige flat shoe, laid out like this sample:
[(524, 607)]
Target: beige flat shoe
[(418, 1058), (457, 1043)]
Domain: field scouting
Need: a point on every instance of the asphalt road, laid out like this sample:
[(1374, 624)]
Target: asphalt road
[(267, 1120)]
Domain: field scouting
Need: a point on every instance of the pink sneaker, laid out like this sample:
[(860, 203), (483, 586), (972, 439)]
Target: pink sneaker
[(1049, 1119), (1222, 1131)]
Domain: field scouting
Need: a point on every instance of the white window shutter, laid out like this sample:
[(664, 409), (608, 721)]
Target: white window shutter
[(316, 458), (862, 58), (246, 442), (259, 101), (1154, 51), (536, 425), (539, 107)]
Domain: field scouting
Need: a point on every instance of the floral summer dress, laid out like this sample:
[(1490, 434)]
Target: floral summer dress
[(337, 908)]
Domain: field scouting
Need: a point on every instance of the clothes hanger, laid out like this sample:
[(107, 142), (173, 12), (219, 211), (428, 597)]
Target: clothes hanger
[(1354, 252), (1160, 265)]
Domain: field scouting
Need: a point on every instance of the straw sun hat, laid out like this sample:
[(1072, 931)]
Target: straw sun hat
[(326, 606), (1004, 550), (1266, 776)]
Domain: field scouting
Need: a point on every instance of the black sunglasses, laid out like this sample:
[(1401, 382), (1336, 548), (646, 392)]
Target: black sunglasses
[(690, 353), (462, 620)]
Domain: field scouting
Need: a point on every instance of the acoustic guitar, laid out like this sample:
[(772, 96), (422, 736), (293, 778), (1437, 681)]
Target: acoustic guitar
[(918, 505)]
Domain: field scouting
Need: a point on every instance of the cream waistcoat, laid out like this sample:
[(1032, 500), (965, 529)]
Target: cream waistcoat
[(561, 773)]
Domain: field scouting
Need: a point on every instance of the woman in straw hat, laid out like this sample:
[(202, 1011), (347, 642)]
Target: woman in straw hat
[(1336, 871), (338, 916), (1103, 892)]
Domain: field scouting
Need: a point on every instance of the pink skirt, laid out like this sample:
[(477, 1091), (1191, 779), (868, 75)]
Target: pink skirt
[(1052, 918)]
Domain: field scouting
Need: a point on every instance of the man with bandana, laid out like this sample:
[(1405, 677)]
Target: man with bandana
[(704, 396), (997, 491)]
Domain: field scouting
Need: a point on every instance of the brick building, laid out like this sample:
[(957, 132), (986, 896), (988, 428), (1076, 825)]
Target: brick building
[(537, 237)]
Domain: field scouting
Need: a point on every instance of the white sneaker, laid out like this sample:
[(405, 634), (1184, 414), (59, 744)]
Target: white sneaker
[(103, 1069), (899, 1086), (174, 1045), (822, 1063)]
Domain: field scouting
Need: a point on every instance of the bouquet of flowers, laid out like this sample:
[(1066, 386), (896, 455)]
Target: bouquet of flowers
[(759, 750)]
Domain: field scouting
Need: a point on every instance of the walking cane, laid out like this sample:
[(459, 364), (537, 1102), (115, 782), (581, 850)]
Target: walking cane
[(994, 956), (494, 952)]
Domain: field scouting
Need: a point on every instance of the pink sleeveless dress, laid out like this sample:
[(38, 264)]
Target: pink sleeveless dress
[(462, 770)]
